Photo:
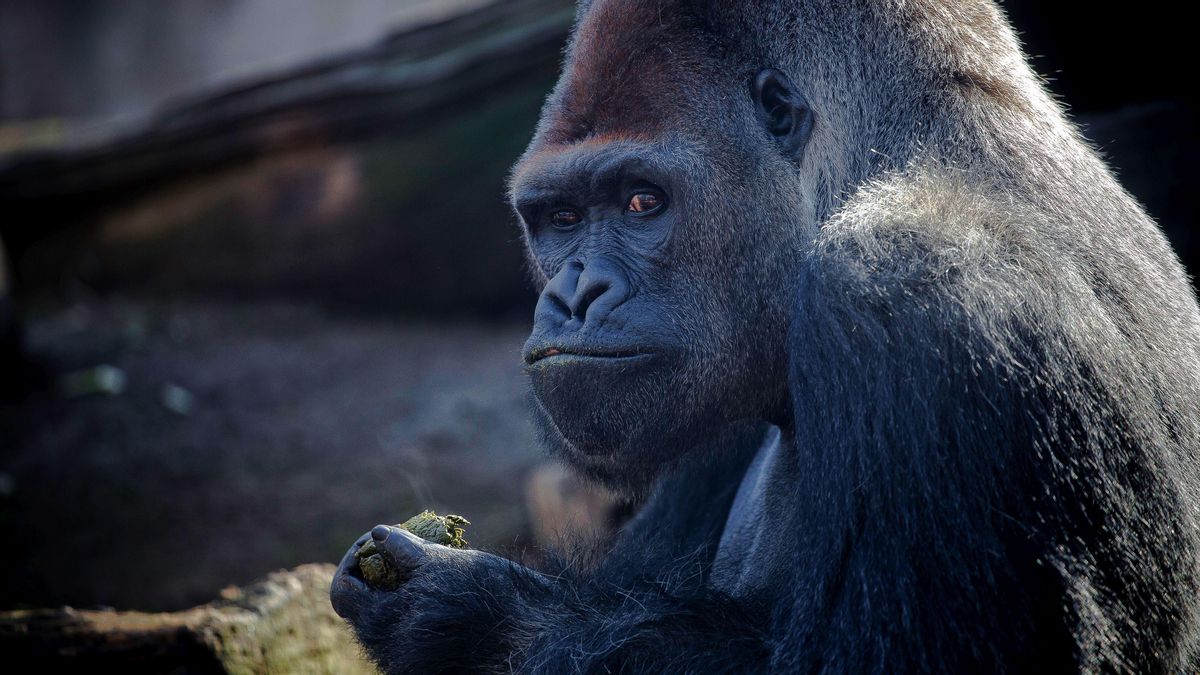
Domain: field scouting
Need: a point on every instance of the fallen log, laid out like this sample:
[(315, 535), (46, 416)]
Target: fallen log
[(411, 74), (283, 624)]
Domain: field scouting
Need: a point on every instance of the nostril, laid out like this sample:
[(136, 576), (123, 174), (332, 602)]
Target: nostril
[(556, 297), (600, 292), (589, 295), (558, 304)]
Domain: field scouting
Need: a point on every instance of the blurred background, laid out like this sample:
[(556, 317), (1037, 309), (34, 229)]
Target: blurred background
[(260, 288)]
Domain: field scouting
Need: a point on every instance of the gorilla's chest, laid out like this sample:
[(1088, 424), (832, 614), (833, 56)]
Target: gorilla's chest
[(756, 542)]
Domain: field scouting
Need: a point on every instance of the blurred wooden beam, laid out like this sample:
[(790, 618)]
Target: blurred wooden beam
[(405, 79)]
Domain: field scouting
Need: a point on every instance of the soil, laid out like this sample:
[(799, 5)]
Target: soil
[(247, 438)]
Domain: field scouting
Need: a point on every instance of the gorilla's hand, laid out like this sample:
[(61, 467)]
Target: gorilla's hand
[(401, 550), (455, 610)]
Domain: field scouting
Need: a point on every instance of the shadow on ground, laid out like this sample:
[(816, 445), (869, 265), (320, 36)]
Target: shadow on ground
[(247, 438)]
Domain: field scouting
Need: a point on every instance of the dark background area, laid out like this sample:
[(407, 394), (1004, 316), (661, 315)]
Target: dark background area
[(1103, 60), (287, 241)]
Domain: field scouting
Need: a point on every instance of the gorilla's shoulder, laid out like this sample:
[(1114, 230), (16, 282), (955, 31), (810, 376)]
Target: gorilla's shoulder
[(908, 226), (923, 236)]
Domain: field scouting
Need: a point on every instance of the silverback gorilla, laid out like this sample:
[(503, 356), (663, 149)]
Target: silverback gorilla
[(911, 383)]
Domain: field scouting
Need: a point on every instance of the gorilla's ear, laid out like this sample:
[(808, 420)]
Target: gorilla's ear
[(783, 110)]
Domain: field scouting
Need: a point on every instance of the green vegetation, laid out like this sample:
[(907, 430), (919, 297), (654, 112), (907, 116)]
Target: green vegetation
[(445, 530)]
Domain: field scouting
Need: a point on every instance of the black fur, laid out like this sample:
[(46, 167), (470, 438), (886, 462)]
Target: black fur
[(650, 590), (981, 359)]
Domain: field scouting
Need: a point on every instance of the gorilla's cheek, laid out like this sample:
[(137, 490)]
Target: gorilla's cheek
[(610, 406)]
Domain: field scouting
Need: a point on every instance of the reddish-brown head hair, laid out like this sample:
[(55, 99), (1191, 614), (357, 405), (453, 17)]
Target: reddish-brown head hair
[(628, 70)]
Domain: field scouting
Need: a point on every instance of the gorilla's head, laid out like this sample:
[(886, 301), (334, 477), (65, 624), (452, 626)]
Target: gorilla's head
[(662, 205)]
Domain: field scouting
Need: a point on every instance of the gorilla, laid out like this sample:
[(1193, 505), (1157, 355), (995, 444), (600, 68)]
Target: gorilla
[(908, 381)]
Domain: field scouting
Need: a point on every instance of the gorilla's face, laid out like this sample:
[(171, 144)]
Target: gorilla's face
[(652, 213)]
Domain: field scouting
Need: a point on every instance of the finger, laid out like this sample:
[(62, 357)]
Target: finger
[(347, 594), (349, 562), (400, 548)]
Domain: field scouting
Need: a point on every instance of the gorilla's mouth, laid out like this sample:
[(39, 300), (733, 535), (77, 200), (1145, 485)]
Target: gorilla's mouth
[(578, 353)]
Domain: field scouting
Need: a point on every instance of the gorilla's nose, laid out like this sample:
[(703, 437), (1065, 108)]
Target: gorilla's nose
[(584, 293)]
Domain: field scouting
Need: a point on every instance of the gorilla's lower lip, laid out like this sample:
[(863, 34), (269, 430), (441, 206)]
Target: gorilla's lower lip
[(564, 354)]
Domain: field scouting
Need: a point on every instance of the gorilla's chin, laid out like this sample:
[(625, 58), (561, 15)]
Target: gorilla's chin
[(623, 408)]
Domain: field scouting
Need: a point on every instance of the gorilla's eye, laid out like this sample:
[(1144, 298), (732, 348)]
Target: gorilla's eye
[(565, 219), (644, 203)]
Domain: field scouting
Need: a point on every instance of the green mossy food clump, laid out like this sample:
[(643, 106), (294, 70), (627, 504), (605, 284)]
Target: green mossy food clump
[(374, 569), (444, 530)]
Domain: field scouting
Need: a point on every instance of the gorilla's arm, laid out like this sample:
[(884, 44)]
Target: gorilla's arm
[(977, 486), (645, 605)]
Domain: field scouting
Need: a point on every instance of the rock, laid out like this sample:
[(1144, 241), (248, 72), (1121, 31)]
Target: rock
[(283, 624)]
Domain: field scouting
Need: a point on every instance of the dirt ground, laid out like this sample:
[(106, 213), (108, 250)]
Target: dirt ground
[(247, 438)]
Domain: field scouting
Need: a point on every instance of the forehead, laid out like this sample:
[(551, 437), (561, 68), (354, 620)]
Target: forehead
[(633, 67)]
